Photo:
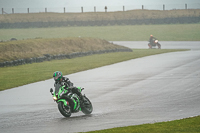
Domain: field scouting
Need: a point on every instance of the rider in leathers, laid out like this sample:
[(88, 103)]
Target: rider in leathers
[(59, 79), (151, 39), (153, 43)]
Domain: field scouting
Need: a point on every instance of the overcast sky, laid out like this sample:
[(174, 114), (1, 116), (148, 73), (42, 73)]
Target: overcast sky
[(91, 3)]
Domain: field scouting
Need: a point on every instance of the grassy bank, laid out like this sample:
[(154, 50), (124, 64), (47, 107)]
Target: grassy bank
[(23, 49), (189, 125), (120, 15), (173, 32), (29, 73)]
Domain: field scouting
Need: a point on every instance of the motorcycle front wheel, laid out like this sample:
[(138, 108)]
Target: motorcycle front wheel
[(64, 110), (87, 107)]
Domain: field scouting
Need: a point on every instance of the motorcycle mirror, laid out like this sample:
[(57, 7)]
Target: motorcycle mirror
[(51, 90)]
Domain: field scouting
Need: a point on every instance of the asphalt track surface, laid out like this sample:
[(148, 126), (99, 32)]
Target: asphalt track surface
[(151, 89)]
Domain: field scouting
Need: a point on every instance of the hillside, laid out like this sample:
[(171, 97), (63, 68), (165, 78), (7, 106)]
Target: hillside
[(95, 16), (26, 20), (38, 50)]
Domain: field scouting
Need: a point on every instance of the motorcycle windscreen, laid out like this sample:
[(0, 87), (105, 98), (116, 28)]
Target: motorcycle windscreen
[(57, 86)]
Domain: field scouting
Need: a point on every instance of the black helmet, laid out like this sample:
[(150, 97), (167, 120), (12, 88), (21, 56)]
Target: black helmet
[(57, 75)]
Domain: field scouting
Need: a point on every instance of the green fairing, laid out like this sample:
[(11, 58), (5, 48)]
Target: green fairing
[(61, 100), (64, 101), (75, 103), (60, 90)]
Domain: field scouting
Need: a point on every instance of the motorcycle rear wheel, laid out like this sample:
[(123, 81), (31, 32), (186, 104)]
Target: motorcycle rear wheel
[(65, 111), (87, 109)]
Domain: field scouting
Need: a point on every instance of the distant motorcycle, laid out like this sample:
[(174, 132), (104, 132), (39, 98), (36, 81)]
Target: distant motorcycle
[(154, 43), (69, 102)]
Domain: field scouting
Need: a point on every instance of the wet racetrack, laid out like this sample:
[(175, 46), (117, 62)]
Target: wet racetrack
[(145, 90)]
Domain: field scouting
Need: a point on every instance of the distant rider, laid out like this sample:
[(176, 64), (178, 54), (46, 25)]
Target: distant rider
[(152, 39), (152, 42), (59, 79)]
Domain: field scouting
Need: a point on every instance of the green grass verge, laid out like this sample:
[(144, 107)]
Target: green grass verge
[(173, 32), (189, 125), (29, 73)]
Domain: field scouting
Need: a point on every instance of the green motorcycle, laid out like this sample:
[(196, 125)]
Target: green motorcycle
[(69, 102)]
